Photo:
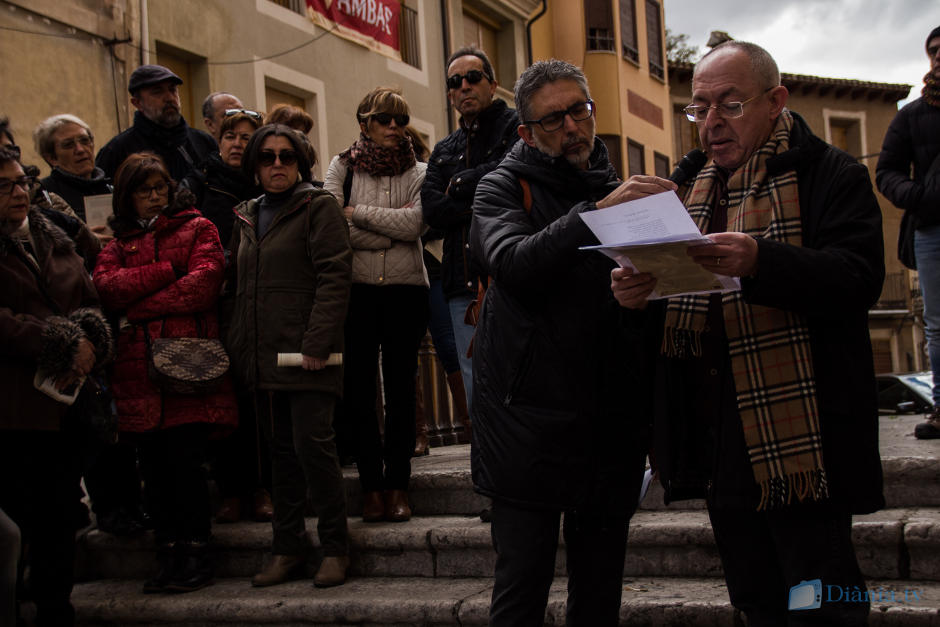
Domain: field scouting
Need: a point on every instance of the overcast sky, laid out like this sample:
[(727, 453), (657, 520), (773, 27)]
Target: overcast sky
[(871, 40)]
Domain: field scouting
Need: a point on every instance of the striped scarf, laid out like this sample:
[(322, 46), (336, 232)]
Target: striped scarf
[(770, 351)]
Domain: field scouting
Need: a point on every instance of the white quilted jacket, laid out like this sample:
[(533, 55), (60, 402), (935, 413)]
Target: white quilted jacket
[(384, 234)]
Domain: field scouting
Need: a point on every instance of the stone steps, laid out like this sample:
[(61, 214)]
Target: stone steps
[(399, 601), (891, 544)]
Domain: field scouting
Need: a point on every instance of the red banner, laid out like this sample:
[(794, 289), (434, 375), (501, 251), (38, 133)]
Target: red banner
[(371, 23)]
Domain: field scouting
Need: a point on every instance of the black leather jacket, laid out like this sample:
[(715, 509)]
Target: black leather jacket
[(457, 164)]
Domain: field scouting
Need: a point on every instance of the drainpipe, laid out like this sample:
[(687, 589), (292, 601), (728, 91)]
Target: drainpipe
[(528, 31), (446, 32), (144, 34)]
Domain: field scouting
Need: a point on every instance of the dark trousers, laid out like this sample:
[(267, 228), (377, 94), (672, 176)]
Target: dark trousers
[(112, 480), (242, 461), (175, 482), (39, 493), (393, 317), (526, 542), (299, 429), (764, 554)]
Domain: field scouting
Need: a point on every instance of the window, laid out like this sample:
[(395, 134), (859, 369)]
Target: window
[(660, 165), (408, 37), (654, 39), (628, 44), (635, 159), (613, 150), (599, 21), (846, 130)]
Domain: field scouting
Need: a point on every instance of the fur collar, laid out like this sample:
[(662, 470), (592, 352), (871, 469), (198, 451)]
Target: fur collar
[(47, 237)]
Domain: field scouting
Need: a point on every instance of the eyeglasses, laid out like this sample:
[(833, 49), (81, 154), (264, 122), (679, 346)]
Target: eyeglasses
[(556, 119), (726, 110), (268, 157), (248, 112), (385, 119), (473, 77), (69, 144), (24, 183), (144, 191)]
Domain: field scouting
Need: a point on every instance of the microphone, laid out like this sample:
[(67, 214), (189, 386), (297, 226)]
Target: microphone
[(688, 167)]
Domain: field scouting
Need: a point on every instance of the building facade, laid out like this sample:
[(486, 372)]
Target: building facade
[(621, 46)]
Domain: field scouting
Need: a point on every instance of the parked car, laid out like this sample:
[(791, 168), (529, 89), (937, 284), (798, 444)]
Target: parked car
[(905, 393)]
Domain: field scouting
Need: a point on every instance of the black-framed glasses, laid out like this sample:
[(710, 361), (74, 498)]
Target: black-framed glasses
[(473, 77), (385, 119), (727, 110), (248, 112), (268, 157), (82, 140), (23, 182), (144, 191), (556, 119)]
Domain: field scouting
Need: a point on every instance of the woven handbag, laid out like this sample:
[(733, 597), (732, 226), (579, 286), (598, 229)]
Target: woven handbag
[(187, 365)]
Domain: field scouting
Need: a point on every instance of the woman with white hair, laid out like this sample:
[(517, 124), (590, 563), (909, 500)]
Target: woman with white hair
[(68, 146)]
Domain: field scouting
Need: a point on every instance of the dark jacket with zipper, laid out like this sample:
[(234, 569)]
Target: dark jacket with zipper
[(182, 148), (554, 372), (290, 290), (456, 166), (73, 189), (219, 188), (833, 279)]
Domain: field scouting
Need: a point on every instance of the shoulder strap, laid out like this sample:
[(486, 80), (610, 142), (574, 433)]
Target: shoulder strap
[(526, 195), (347, 186)]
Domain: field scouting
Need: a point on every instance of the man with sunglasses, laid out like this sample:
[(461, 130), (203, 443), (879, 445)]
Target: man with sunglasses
[(487, 130), (552, 363), (158, 126), (765, 401), (908, 174)]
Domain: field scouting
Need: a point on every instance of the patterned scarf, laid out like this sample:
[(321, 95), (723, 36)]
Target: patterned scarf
[(931, 90), (367, 156), (770, 352)]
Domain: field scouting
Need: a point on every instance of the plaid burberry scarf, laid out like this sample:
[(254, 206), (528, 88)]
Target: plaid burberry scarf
[(770, 351)]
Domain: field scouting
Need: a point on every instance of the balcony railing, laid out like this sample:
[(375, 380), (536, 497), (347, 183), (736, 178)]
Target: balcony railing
[(297, 6), (896, 294), (408, 40)]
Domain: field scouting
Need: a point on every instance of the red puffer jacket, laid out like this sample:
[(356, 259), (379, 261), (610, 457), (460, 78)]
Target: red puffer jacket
[(136, 277)]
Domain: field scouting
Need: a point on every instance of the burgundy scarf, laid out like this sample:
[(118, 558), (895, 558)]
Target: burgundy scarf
[(367, 156)]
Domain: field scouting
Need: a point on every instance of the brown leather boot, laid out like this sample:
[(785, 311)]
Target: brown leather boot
[(332, 571), (461, 415), (373, 506), (421, 424), (396, 506), (281, 569), (264, 509)]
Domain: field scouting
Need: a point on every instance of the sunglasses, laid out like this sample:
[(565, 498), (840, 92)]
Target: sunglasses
[(385, 119), (473, 77), (248, 112), (267, 158)]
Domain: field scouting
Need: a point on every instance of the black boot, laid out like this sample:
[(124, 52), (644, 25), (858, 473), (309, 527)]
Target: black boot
[(194, 570), (166, 566)]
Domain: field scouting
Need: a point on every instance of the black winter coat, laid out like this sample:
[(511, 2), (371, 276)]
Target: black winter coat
[(219, 188), (456, 166), (833, 279), (145, 135), (913, 138), (73, 189), (554, 373)]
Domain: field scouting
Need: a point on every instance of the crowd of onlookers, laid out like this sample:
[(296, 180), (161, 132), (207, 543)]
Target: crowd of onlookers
[(125, 269)]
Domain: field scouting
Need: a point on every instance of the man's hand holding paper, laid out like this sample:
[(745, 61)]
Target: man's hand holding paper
[(731, 254)]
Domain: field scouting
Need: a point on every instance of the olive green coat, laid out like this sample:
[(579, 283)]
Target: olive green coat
[(290, 290)]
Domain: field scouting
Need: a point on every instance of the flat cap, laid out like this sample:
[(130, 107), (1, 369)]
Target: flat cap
[(151, 75)]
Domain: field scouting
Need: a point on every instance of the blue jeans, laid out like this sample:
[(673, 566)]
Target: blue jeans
[(927, 252), (442, 329), (463, 333)]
